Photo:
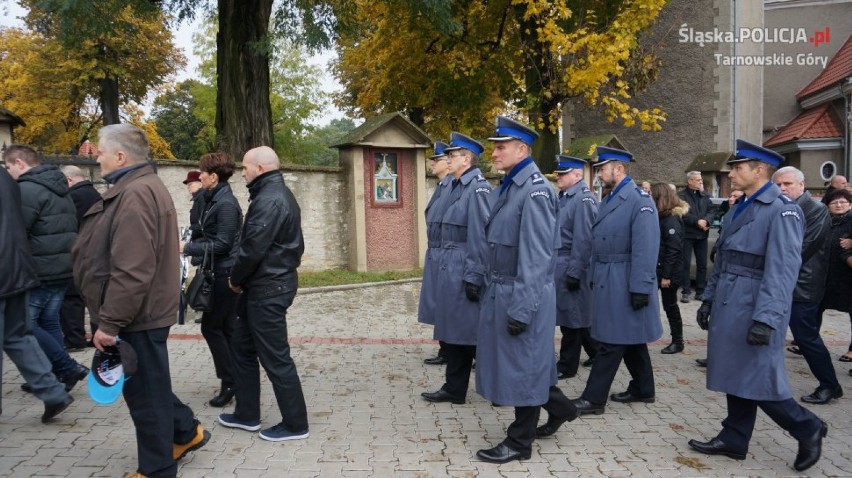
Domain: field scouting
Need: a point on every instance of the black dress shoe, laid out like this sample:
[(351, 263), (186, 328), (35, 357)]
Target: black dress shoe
[(563, 375), (435, 360), (627, 397), (501, 453), (701, 362), (554, 422), (716, 447), (811, 449), (822, 396), (584, 407), (441, 396), (71, 379), (50, 411), (673, 348), (589, 362), (223, 398)]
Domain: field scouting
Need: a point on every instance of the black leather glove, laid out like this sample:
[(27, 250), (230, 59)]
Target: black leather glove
[(515, 328), (638, 301), (471, 291), (572, 284), (703, 315), (759, 333)]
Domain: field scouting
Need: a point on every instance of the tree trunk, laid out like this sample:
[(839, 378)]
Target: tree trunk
[(243, 112), (109, 101), (538, 66)]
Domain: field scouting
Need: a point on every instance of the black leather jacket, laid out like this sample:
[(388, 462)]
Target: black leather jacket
[(219, 225), (270, 244), (810, 286), (17, 269), (700, 207)]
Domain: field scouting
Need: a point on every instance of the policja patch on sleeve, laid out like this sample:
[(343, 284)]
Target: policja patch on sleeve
[(791, 212), (646, 208), (540, 193)]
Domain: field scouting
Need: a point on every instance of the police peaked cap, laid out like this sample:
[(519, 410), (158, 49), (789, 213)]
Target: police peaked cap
[(440, 147), (566, 163), (508, 129), (461, 141), (607, 154), (751, 152)]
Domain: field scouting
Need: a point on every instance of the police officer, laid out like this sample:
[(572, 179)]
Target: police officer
[(746, 306), (625, 309), (461, 270), (514, 354), (577, 210), (429, 297)]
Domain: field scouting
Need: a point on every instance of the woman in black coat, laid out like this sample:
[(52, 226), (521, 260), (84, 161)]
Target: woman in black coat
[(838, 287), (670, 258), (220, 221)]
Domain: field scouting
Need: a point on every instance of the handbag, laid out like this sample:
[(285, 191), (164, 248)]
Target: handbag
[(199, 293)]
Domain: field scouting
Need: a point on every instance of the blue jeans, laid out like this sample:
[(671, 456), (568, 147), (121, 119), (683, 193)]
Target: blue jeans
[(44, 304), (25, 353)]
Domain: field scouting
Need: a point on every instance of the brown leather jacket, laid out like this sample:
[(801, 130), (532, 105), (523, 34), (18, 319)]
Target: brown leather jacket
[(126, 259)]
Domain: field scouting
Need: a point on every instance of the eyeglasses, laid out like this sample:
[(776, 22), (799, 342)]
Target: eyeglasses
[(838, 202)]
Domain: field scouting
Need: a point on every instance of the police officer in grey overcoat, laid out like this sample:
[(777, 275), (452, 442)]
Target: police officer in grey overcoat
[(514, 353), (461, 270), (577, 209), (429, 296), (746, 306), (625, 309)]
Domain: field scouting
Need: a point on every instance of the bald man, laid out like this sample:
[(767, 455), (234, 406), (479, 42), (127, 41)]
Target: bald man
[(268, 251), (837, 182), (72, 313)]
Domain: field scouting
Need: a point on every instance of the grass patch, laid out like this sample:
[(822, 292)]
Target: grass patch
[(343, 276)]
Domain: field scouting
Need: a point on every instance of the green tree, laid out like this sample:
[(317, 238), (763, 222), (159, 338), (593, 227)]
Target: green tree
[(125, 45), (453, 65), (296, 99), (175, 119)]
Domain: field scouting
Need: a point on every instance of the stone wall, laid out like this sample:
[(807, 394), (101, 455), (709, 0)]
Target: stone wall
[(321, 193)]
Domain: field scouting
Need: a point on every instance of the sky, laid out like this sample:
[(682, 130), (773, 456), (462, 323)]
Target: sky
[(11, 13)]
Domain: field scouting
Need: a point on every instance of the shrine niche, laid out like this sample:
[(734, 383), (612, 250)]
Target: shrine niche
[(385, 164)]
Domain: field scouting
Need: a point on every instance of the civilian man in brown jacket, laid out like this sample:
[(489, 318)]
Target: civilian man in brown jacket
[(126, 267)]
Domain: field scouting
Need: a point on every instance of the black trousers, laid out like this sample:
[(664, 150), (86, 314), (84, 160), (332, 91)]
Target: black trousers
[(569, 350), (607, 361), (442, 349), (521, 433), (669, 299), (72, 317), (590, 345), (738, 426), (699, 248), (160, 418), (805, 322), (217, 326), (260, 333), (459, 362)]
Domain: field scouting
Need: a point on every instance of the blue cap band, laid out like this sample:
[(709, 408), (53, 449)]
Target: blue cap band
[(515, 133)]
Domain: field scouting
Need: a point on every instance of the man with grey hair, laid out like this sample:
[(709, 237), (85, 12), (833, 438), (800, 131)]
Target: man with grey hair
[(805, 315), (126, 263), (696, 223), (72, 314)]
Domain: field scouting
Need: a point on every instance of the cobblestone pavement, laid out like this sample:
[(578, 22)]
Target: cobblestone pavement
[(360, 357)]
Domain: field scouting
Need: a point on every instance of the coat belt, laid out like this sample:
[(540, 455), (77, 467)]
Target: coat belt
[(612, 257)]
